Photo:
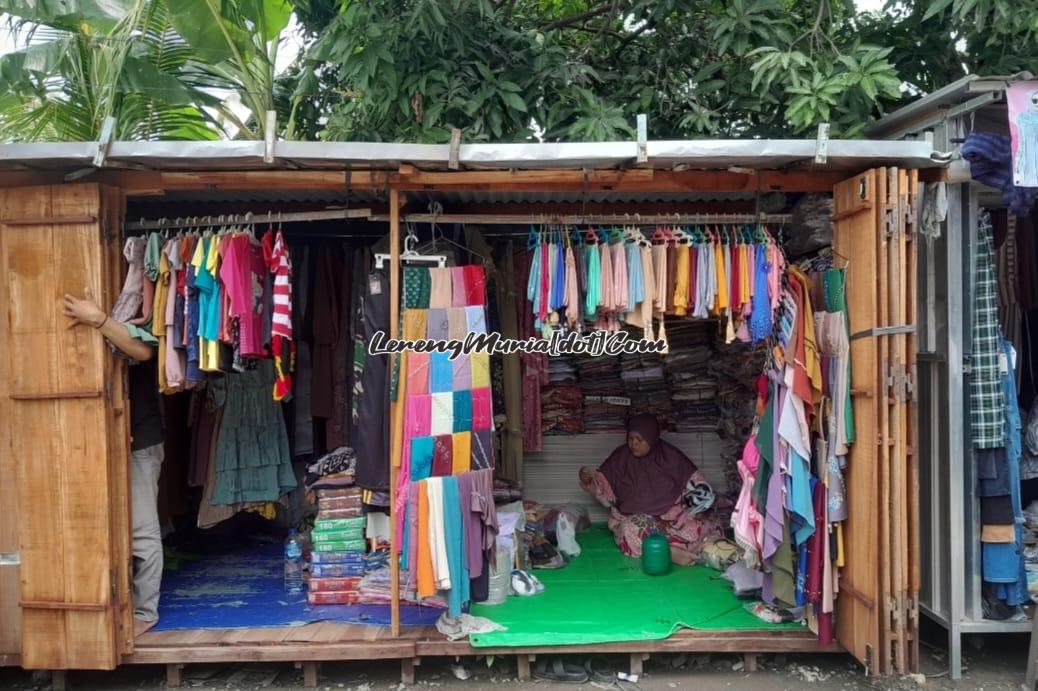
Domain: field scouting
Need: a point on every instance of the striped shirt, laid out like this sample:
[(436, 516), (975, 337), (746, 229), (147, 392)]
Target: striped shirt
[(280, 264)]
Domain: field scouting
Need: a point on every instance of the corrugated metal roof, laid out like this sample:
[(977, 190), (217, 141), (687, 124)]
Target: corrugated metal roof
[(760, 154), (972, 93)]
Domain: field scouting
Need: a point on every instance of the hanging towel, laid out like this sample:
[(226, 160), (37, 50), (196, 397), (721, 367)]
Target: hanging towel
[(415, 324), (482, 449), (461, 368), (417, 287), (542, 296), (593, 296), (441, 373), (462, 453), (659, 273), (418, 415), (620, 287), (476, 319), (421, 458), (475, 285), (457, 323), (572, 290), (454, 536), (462, 411), (417, 373), (426, 578), (439, 288), (480, 369), (681, 280), (606, 277), (438, 326), (443, 455), (482, 409), (442, 413), (437, 542), (457, 286)]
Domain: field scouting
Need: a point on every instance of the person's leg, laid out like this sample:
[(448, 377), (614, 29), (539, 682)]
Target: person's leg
[(147, 535)]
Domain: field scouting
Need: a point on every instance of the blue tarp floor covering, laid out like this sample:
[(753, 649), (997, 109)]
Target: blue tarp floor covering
[(245, 589)]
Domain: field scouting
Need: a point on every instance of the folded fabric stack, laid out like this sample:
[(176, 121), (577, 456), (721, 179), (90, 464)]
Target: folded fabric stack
[(605, 400), (562, 409), (645, 385), (690, 375), (376, 589), (337, 559), (506, 491), (335, 469)]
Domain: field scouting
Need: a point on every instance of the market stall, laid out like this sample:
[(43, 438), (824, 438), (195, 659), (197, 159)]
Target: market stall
[(68, 531)]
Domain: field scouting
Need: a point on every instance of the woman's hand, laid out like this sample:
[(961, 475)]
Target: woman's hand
[(83, 311)]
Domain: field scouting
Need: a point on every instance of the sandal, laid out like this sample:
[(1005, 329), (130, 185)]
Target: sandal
[(560, 671)]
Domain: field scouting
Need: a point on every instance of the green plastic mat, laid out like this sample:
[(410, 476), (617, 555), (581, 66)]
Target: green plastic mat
[(603, 596)]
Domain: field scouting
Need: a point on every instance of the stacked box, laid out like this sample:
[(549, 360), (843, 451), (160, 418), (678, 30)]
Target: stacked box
[(338, 542)]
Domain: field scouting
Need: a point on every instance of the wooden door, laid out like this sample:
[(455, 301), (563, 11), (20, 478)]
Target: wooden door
[(873, 226), (67, 436)]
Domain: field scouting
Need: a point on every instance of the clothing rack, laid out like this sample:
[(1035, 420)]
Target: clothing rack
[(248, 219), (592, 219)]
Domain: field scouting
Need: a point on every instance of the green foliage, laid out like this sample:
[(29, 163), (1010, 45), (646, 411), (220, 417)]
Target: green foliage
[(563, 69), (152, 64), (502, 70)]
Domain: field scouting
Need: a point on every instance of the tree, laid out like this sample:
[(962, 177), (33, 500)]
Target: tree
[(936, 42), (156, 66), (501, 69)]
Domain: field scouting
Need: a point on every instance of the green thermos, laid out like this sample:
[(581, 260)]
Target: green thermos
[(656, 555)]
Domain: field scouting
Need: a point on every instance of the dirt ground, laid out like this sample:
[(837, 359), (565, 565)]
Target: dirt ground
[(993, 662)]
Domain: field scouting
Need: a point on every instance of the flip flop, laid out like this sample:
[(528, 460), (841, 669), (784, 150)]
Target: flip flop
[(560, 671)]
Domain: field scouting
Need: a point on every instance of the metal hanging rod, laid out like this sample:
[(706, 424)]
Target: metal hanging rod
[(248, 218), (590, 219)]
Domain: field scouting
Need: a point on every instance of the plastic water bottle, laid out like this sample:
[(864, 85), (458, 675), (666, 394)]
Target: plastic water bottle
[(293, 563)]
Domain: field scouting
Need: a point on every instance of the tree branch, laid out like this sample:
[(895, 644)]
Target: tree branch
[(578, 18)]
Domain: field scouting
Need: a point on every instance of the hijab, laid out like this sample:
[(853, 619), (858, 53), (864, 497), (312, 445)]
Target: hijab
[(652, 483)]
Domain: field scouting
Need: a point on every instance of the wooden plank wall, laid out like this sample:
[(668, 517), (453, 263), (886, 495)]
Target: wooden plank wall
[(877, 612), (51, 245), (10, 614), (854, 236)]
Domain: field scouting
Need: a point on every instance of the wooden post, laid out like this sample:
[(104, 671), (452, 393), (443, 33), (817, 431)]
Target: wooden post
[(522, 663), (637, 660), (395, 437), (749, 661), (174, 679), (407, 666), (58, 680), (310, 674)]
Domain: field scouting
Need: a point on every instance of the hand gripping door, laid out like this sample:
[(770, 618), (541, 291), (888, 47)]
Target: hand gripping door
[(876, 611), (65, 438)]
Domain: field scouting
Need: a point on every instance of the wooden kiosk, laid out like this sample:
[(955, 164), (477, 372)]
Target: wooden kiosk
[(65, 581)]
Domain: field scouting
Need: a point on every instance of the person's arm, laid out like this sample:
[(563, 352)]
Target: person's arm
[(85, 311)]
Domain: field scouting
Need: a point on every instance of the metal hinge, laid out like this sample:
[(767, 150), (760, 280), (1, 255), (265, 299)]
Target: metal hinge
[(10, 559), (899, 382), (115, 586), (108, 391), (890, 222)]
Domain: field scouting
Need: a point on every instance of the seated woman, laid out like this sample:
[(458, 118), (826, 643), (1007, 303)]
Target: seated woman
[(650, 486)]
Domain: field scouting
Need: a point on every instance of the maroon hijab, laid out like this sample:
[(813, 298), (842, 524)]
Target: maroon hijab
[(652, 483)]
